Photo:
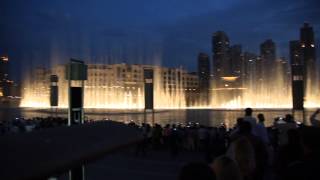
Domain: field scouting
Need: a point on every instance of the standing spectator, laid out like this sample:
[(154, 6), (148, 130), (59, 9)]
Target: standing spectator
[(283, 127), (290, 153), (308, 168), (261, 130), (203, 135), (196, 171), (247, 148), (226, 169), (315, 122), (166, 135), (248, 117), (156, 136), (174, 141)]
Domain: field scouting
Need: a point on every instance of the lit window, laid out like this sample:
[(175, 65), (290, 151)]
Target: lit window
[(297, 78)]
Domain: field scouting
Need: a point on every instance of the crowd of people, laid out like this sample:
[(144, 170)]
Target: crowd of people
[(248, 151), (18, 125), (286, 150)]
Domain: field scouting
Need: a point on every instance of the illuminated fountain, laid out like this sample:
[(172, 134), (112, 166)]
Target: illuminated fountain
[(117, 86), (120, 86), (275, 94)]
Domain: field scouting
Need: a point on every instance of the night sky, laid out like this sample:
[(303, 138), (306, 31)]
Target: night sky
[(170, 32)]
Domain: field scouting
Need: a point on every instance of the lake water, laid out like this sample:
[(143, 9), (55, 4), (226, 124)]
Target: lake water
[(206, 117)]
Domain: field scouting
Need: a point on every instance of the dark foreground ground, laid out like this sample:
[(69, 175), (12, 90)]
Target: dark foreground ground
[(156, 165)]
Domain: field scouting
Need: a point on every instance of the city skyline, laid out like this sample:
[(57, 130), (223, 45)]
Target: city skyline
[(161, 32), (239, 79)]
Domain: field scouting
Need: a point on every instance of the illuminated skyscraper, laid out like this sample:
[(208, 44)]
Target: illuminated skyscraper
[(221, 58), (297, 74), (9, 91), (226, 69), (235, 54), (308, 54), (4, 81)]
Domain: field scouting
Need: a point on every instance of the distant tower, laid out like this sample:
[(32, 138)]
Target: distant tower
[(268, 61), (4, 76), (204, 77), (221, 59), (297, 74), (236, 59), (308, 54), (250, 70), (226, 67), (268, 50), (4, 67)]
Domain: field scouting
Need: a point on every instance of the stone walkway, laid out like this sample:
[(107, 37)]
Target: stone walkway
[(157, 165)]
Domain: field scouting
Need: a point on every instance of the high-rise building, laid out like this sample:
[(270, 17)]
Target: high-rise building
[(308, 54), (250, 70), (297, 74), (4, 69), (268, 50), (9, 90), (268, 61), (221, 58), (235, 55), (283, 79), (226, 69), (204, 77), (295, 53), (4, 73)]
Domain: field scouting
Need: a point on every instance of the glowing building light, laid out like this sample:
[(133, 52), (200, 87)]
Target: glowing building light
[(230, 78), (4, 58)]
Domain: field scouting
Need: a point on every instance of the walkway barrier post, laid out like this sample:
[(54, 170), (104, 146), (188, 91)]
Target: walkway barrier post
[(148, 93), (76, 71)]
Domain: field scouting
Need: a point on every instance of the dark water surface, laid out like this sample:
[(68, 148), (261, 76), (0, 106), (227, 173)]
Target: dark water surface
[(206, 117)]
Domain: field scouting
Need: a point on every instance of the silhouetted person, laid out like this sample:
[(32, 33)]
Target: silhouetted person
[(283, 126), (156, 136), (235, 132), (226, 169), (196, 171), (248, 117), (143, 145), (308, 168), (261, 130), (315, 122), (166, 135), (174, 141), (290, 153), (259, 150)]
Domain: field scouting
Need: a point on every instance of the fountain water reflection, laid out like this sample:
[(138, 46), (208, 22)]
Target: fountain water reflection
[(202, 116)]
